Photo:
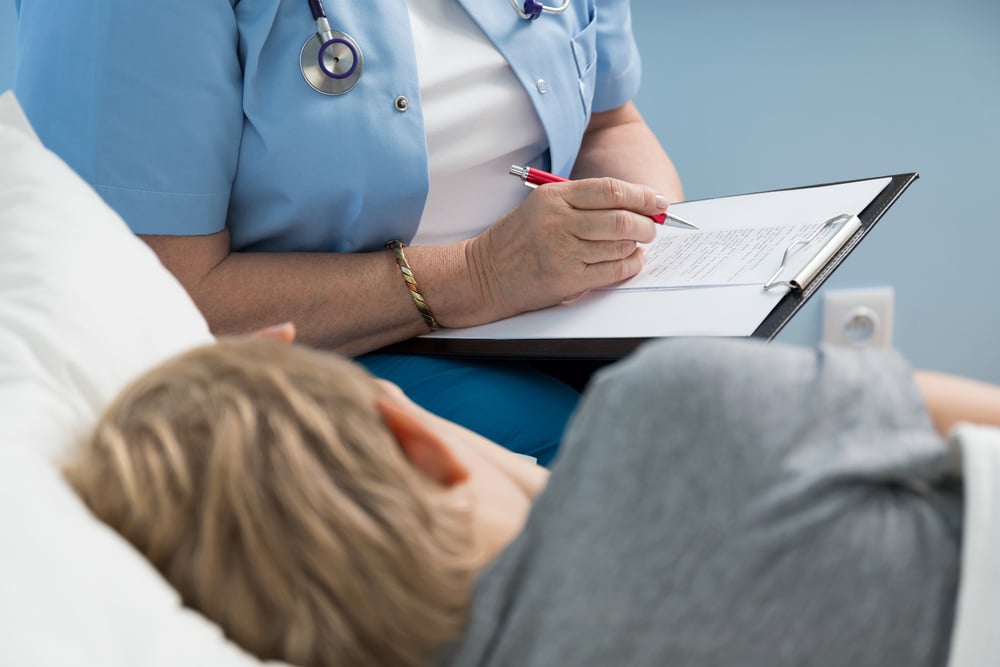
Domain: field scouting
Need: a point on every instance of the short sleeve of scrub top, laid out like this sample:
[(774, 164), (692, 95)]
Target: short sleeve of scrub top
[(619, 68), (191, 116), (143, 99)]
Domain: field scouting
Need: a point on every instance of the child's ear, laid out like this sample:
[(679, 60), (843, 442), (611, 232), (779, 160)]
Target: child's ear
[(425, 450)]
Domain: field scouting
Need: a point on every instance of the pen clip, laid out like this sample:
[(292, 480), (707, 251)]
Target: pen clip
[(522, 173)]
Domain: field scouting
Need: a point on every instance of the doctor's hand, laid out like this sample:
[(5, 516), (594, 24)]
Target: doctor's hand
[(563, 240)]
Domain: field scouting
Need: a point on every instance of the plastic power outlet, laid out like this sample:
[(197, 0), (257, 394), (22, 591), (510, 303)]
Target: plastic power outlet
[(859, 317)]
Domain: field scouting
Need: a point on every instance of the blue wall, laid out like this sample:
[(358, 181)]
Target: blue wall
[(769, 94)]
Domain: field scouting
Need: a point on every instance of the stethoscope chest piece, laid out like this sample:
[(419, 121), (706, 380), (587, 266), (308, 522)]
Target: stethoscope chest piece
[(331, 62)]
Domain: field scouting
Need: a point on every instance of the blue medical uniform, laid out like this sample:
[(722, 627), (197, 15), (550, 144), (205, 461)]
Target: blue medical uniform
[(189, 116)]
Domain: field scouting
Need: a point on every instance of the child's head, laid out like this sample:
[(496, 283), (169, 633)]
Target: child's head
[(261, 480)]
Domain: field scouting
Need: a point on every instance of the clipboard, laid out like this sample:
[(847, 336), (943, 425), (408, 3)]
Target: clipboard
[(852, 227)]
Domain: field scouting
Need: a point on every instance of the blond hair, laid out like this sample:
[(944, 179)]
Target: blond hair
[(262, 482)]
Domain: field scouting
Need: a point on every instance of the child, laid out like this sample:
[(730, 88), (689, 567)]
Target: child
[(290, 497), (696, 516)]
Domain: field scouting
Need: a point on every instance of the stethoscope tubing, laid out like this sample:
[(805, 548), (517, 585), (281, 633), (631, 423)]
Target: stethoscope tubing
[(323, 56), (317, 9)]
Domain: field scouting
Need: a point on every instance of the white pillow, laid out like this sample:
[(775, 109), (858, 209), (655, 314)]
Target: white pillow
[(84, 305), (84, 308)]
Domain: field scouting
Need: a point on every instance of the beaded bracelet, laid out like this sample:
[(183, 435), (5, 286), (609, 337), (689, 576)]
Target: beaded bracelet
[(411, 282)]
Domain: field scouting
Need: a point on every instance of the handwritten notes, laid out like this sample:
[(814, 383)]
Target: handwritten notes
[(711, 258)]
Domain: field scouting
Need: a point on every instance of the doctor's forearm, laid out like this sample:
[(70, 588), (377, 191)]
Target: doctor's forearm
[(353, 303), (619, 143)]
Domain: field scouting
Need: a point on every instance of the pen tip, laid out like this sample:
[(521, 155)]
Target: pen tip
[(681, 221)]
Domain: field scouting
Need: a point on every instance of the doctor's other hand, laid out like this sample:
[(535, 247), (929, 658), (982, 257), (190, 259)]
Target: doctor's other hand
[(564, 239)]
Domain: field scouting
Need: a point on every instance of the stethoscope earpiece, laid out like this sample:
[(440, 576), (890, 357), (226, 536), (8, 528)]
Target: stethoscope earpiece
[(532, 9)]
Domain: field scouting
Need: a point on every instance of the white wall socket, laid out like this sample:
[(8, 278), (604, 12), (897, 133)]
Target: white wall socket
[(859, 317)]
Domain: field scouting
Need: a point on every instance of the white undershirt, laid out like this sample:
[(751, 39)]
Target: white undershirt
[(478, 119)]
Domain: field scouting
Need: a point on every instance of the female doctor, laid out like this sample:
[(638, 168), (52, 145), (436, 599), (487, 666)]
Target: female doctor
[(279, 155)]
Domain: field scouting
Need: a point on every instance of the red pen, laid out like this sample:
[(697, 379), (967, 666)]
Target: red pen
[(532, 178)]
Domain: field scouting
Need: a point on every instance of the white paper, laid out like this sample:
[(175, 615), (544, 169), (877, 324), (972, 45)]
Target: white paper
[(736, 256), (732, 310)]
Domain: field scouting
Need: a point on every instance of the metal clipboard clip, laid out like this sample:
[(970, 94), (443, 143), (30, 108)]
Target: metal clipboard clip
[(849, 224)]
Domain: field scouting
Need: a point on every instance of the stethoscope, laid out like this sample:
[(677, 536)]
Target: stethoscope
[(332, 61)]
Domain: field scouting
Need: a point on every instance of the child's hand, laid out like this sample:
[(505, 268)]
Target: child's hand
[(283, 333)]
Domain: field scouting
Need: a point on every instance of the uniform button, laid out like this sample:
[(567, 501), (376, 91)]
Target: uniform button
[(401, 103), (542, 86)]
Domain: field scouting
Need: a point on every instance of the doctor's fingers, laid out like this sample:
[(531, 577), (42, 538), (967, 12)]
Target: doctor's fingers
[(595, 252), (602, 274), (613, 225), (611, 193)]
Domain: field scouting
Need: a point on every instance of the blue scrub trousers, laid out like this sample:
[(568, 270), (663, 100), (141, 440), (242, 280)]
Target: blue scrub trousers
[(511, 403)]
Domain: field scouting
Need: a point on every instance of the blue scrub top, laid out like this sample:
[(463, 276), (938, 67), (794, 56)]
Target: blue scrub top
[(191, 115)]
